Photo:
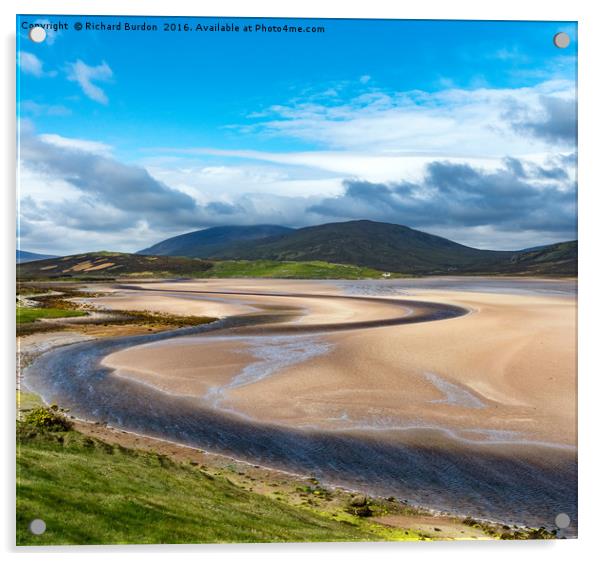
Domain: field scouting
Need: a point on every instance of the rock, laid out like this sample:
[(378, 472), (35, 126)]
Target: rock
[(358, 500), (358, 506)]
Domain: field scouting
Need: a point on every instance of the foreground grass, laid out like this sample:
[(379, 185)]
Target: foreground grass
[(290, 270), (90, 492), (29, 315)]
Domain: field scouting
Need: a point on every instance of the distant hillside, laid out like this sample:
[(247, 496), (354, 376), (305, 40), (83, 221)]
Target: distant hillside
[(105, 264), (555, 259), (212, 241), (26, 256), (387, 247)]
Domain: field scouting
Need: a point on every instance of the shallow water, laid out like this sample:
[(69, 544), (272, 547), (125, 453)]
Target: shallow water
[(506, 285), (273, 355), (454, 394)]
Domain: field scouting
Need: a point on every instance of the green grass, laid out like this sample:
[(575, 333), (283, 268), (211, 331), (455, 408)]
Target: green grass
[(290, 270), (26, 401), (89, 492), (29, 315)]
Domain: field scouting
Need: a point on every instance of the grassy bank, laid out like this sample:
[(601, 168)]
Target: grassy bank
[(55, 301), (289, 270), (94, 485), (90, 492), (29, 315)]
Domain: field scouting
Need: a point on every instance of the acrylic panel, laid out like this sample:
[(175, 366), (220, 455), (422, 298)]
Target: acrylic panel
[(295, 280)]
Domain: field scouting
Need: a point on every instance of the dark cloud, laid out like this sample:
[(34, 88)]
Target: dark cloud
[(515, 166), (90, 216), (556, 120), (103, 181), (113, 193), (459, 195), (219, 207), (116, 197)]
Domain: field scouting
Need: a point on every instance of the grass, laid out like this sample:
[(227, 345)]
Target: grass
[(289, 270), (90, 492), (29, 315)]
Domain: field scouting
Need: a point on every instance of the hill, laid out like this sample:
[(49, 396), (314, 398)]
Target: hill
[(205, 243), (26, 256), (555, 259), (387, 247), (403, 250), (105, 264)]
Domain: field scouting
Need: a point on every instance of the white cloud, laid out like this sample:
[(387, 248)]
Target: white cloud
[(86, 75), (373, 166), (91, 146), (364, 79), (39, 109), (460, 122), (31, 64), (208, 182)]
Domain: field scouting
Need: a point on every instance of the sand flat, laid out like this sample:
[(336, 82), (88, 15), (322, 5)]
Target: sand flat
[(515, 354), (505, 372)]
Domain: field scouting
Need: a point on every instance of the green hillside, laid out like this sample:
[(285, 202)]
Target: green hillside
[(90, 492), (399, 249), (558, 258), (290, 270), (387, 247)]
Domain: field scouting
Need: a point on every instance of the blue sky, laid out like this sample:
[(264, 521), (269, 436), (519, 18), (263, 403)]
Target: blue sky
[(443, 126)]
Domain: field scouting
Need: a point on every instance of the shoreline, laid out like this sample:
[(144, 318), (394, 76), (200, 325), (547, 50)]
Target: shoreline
[(112, 434), (419, 518)]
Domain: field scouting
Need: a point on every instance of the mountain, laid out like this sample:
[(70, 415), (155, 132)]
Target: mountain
[(26, 256), (377, 245), (212, 241), (387, 247)]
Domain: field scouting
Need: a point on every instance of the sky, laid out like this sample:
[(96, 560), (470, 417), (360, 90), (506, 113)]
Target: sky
[(461, 129)]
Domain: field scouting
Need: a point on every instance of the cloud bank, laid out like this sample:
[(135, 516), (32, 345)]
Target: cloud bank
[(515, 197)]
